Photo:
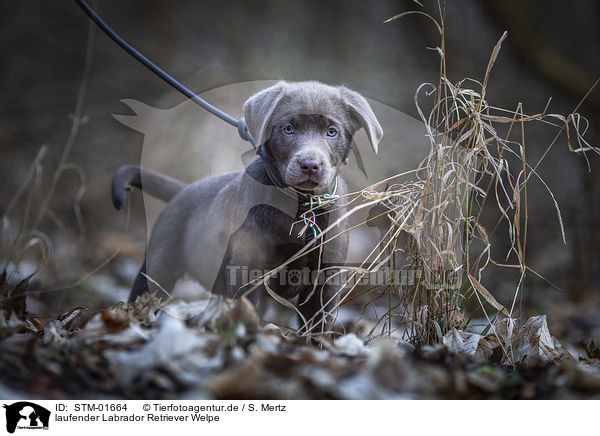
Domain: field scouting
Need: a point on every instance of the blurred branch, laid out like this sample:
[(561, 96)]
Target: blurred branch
[(77, 119)]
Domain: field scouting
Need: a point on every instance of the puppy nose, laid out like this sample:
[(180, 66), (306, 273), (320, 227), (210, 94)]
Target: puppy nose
[(309, 166)]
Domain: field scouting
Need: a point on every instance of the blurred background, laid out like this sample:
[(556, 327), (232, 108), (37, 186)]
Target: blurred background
[(551, 51)]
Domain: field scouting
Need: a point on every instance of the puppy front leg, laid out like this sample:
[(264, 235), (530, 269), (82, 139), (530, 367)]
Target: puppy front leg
[(317, 309), (240, 270)]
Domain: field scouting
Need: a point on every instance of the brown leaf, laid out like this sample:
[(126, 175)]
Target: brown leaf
[(486, 294)]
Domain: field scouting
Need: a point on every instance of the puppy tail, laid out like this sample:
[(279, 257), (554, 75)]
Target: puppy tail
[(156, 184)]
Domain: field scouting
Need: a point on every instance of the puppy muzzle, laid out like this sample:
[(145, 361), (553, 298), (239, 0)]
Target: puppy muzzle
[(309, 170)]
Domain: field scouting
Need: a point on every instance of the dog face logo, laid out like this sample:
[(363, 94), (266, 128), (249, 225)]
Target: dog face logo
[(26, 415)]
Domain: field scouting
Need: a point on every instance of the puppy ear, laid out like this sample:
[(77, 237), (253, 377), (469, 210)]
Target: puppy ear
[(362, 114), (258, 112)]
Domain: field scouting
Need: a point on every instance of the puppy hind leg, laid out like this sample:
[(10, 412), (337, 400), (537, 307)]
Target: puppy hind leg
[(140, 285), (157, 274)]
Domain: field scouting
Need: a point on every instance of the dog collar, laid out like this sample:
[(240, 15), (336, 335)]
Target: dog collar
[(309, 207)]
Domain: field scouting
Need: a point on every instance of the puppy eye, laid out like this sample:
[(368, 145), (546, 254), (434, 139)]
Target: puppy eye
[(331, 132), (288, 129)]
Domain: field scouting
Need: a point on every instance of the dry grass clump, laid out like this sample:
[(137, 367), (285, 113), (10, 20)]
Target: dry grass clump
[(469, 167)]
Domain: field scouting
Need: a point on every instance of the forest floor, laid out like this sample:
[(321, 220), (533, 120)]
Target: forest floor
[(211, 348)]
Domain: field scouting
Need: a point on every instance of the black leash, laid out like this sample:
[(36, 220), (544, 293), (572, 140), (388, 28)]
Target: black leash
[(272, 171), (239, 124)]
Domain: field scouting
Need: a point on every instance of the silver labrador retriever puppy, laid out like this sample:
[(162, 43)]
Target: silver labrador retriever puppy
[(219, 227)]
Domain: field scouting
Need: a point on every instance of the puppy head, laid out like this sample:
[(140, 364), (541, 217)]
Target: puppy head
[(306, 129)]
